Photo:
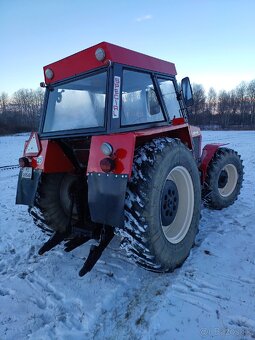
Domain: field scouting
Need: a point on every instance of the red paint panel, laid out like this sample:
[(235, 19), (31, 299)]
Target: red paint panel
[(132, 58), (159, 130), (123, 146), (73, 65), (207, 154), (51, 159), (85, 60), (178, 131), (164, 130), (178, 121)]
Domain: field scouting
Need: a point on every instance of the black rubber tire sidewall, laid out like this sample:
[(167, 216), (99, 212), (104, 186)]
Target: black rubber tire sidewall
[(143, 236), (168, 254), (48, 206), (223, 157)]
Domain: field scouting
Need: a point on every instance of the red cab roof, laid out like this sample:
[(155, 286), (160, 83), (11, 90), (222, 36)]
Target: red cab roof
[(85, 60)]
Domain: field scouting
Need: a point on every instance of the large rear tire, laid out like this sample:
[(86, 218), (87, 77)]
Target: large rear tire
[(162, 208), (53, 202), (224, 179)]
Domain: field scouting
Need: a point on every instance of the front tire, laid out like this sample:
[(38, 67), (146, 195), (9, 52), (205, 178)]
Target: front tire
[(162, 208), (224, 179)]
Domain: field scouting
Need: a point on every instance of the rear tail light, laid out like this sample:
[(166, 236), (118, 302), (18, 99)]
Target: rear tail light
[(23, 162), (107, 164)]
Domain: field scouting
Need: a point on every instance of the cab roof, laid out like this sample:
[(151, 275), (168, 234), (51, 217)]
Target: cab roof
[(86, 60)]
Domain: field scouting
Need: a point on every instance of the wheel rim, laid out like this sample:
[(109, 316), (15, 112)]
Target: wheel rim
[(229, 182), (169, 203), (177, 228)]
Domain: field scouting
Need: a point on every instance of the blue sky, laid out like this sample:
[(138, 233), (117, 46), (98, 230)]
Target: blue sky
[(211, 41)]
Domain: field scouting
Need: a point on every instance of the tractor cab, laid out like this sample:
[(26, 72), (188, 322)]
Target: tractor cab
[(109, 89)]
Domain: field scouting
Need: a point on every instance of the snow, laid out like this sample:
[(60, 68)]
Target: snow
[(211, 295)]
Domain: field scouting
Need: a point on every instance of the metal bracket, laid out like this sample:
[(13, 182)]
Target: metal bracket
[(96, 251)]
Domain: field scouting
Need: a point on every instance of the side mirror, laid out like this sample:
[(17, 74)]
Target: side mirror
[(186, 90)]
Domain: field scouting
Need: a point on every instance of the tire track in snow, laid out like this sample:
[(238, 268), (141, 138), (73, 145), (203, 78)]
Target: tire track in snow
[(244, 326), (193, 288), (134, 310)]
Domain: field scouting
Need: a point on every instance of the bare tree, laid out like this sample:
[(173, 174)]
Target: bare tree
[(212, 101), (224, 108), (251, 98), (199, 103), (199, 98), (3, 102), (241, 95), (29, 104)]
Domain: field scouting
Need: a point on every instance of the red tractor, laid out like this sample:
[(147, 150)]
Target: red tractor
[(115, 155)]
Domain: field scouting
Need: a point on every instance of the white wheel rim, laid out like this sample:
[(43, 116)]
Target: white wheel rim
[(177, 230), (231, 182)]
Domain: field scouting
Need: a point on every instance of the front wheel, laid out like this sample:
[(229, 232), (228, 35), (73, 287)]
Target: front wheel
[(223, 180), (162, 208)]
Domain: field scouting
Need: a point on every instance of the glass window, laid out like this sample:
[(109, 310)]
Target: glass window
[(169, 96), (139, 101), (77, 105)]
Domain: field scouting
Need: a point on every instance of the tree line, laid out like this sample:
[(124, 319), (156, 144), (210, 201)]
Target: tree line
[(21, 112), (233, 109)]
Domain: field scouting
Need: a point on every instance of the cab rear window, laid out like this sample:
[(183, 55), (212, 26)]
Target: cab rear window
[(78, 104)]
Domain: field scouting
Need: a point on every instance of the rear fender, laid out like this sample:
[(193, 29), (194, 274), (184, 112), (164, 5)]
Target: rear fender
[(123, 153), (44, 157), (106, 192), (51, 158), (207, 155)]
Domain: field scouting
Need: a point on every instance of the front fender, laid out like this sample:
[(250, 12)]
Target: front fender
[(207, 155)]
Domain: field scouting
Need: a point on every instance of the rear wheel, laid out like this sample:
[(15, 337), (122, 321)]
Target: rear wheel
[(53, 201), (224, 179), (162, 208)]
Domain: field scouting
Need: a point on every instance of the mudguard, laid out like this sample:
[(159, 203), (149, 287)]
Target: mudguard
[(207, 154), (27, 188), (106, 197)]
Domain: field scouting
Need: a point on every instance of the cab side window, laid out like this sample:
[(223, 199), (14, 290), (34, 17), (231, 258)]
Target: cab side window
[(169, 96), (140, 104)]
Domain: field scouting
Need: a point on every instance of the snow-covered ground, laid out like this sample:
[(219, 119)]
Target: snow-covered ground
[(211, 295)]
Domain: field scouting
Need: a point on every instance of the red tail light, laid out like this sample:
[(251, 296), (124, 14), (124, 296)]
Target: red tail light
[(23, 162), (107, 164)]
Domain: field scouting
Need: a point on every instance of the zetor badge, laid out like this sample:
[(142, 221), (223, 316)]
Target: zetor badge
[(115, 155)]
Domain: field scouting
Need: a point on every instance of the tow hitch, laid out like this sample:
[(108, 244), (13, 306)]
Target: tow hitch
[(77, 240)]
